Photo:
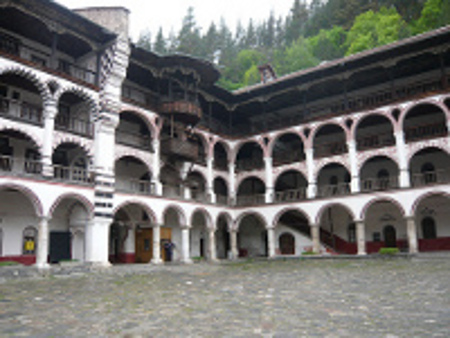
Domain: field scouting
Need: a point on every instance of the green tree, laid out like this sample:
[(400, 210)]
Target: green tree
[(160, 43), (189, 41), (329, 44), (145, 40), (295, 57), (435, 14)]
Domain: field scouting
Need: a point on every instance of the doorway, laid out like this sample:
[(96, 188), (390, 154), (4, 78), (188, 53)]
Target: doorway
[(287, 244), (390, 237)]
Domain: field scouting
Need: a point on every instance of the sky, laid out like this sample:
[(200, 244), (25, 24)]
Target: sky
[(152, 14)]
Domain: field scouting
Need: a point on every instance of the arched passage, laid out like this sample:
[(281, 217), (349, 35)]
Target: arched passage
[(20, 98), (333, 180), (424, 121), (290, 186), (220, 157), (429, 166), (71, 163), (288, 148), (199, 241), (329, 140), (379, 173), (19, 154), (374, 131), (133, 131), (292, 233), (20, 212), (171, 181), (337, 229), (251, 191), (252, 237), (133, 176), (221, 190), (431, 216), (249, 157), (385, 226), (196, 183), (74, 114), (174, 219)]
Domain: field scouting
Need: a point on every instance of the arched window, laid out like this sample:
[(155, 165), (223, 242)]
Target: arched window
[(429, 228), (351, 231), (29, 241)]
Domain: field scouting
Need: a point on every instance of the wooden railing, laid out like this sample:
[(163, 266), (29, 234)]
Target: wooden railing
[(136, 186), (19, 167), (375, 141), (383, 183), (287, 157), (290, 195), (249, 164), (21, 111), (244, 200), (134, 140), (329, 149), (72, 174), (74, 125), (333, 190), (425, 131), (439, 176)]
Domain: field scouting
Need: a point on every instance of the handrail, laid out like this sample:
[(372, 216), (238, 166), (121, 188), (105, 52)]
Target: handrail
[(290, 195), (134, 140), (439, 176), (74, 124), (329, 148), (373, 141), (425, 131), (242, 200), (132, 185), (19, 166), (20, 110), (333, 190), (71, 174), (379, 183)]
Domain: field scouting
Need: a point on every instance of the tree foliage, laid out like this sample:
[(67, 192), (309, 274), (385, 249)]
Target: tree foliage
[(309, 34)]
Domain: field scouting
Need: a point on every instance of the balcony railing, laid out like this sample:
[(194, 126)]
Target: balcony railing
[(74, 125), (20, 167), (15, 48), (440, 176), (375, 141), (425, 131), (333, 190), (286, 157), (249, 164), (21, 111), (290, 195), (134, 140), (173, 191), (244, 200), (329, 149), (221, 199), (136, 186), (72, 174), (383, 183), (180, 148), (140, 97)]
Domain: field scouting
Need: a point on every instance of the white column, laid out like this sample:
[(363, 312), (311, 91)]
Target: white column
[(404, 180), (271, 241), (156, 245), (50, 111), (269, 179), (232, 180), (412, 235), (312, 184), (354, 185), (315, 235), (130, 242), (97, 241), (185, 250), (212, 255), (42, 245), (361, 238), (210, 179), (156, 167), (234, 246)]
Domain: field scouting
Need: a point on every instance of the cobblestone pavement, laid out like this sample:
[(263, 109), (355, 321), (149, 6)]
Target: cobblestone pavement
[(293, 298)]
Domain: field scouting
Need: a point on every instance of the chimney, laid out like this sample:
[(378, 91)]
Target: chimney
[(114, 19)]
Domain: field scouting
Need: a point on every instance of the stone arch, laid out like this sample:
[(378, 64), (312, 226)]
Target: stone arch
[(208, 218), (245, 176), (316, 129), (80, 92), (381, 199), (150, 213), (30, 133), (149, 122), (80, 198), (84, 143), (34, 199), (326, 206), (423, 197), (280, 135), (358, 122), (227, 217), (27, 74), (322, 164), (238, 147), (122, 152), (179, 211), (417, 148), (283, 211), (256, 214), (414, 105), (226, 149)]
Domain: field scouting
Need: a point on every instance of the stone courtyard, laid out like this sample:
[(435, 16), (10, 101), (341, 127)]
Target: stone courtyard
[(284, 298)]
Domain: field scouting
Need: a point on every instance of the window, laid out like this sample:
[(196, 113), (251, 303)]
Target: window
[(29, 241), (429, 228), (351, 231)]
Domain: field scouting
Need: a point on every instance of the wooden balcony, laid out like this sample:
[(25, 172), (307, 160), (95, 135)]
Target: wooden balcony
[(179, 148), (183, 110)]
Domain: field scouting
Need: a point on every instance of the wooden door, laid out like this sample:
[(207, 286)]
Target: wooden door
[(390, 237), (287, 244), (144, 245)]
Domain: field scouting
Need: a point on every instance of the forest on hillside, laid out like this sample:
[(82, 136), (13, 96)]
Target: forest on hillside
[(308, 35)]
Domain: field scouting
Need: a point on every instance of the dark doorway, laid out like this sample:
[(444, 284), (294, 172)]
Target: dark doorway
[(287, 244), (429, 228), (390, 237), (59, 246)]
